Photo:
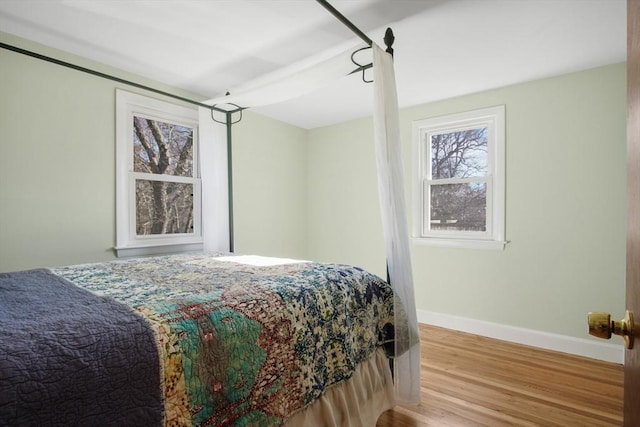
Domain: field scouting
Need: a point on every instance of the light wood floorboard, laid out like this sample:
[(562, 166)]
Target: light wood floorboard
[(468, 380)]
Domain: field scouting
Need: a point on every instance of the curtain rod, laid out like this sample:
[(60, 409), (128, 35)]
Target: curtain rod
[(105, 76)]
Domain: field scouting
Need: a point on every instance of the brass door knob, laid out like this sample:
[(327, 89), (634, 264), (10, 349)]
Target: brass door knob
[(601, 326)]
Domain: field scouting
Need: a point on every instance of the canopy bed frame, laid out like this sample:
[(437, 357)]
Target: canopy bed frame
[(207, 347), (228, 114)]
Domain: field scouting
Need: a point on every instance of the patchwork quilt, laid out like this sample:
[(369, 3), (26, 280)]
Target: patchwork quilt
[(243, 344)]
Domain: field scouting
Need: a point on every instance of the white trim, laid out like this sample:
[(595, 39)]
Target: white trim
[(460, 243), (607, 352), (136, 251)]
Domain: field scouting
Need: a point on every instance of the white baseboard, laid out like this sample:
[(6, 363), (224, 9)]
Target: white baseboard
[(582, 347)]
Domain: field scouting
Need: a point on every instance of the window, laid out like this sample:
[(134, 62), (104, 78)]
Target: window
[(459, 185), (158, 188)]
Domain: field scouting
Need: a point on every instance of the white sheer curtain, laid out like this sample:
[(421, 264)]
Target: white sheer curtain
[(394, 223), (314, 73), (214, 182), (292, 81)]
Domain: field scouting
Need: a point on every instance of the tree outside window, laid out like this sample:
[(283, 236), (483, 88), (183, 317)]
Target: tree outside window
[(459, 156), (163, 149)]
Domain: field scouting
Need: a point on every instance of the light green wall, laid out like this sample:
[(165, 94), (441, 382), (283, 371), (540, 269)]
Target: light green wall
[(565, 206), (270, 188), (56, 164), (344, 215), (57, 170)]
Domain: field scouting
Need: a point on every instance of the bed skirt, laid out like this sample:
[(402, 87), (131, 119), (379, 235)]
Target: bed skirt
[(357, 402)]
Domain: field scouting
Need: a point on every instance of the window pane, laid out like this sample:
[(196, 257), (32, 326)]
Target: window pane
[(459, 207), (163, 207), (162, 148), (461, 154)]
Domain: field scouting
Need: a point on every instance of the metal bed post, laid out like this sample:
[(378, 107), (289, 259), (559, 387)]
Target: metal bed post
[(230, 179)]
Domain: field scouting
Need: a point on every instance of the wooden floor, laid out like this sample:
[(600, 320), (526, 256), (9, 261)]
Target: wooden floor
[(469, 380)]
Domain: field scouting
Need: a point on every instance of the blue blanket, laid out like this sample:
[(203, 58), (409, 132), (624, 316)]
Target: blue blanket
[(71, 358)]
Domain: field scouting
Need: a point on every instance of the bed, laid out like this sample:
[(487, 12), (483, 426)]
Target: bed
[(195, 339)]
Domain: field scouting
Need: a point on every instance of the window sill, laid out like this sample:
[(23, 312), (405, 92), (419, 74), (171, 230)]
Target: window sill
[(460, 243), (136, 251)]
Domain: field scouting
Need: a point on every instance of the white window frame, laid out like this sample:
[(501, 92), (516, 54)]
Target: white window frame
[(493, 238), (128, 243)]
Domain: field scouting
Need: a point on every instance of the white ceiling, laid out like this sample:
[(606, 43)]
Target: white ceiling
[(443, 48)]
